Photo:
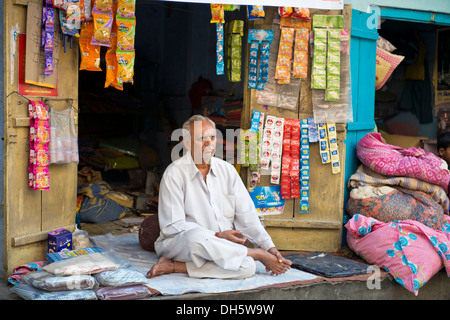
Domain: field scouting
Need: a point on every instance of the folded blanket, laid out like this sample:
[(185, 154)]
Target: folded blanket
[(397, 204), (364, 176), (394, 161)]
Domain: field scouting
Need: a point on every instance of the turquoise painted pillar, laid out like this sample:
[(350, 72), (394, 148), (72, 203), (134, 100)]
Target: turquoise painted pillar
[(363, 49)]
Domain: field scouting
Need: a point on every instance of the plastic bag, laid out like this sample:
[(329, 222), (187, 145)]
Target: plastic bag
[(85, 264), (28, 292), (64, 143), (44, 280), (120, 278), (123, 293)]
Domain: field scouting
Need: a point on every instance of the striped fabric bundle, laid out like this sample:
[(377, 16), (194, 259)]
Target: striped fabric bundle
[(365, 176)]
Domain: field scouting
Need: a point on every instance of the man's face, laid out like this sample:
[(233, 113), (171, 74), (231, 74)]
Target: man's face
[(203, 141)]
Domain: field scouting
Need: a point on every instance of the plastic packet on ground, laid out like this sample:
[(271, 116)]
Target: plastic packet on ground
[(44, 280), (87, 264), (28, 292), (123, 293), (120, 278)]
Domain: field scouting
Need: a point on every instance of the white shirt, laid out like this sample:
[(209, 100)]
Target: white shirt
[(222, 203)]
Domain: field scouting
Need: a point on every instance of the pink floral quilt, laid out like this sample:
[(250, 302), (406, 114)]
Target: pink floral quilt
[(410, 251)]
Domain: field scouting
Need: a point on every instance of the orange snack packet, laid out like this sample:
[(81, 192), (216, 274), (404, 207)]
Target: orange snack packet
[(90, 54), (111, 62)]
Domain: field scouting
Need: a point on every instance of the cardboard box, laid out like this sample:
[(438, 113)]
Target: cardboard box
[(59, 240)]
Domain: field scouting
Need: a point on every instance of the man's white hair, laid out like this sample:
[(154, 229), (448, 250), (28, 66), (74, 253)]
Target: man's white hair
[(187, 125)]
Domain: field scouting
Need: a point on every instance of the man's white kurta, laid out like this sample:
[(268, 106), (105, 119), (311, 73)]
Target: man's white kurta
[(186, 202)]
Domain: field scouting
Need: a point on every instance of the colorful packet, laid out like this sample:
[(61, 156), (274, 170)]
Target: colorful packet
[(126, 30), (66, 27), (126, 9), (323, 143), (125, 67), (304, 166), (111, 62), (41, 155), (255, 12), (233, 49), (217, 13), (90, 54), (334, 152), (42, 132), (333, 65), (75, 12), (300, 13), (283, 67), (38, 175), (300, 64), (41, 178), (220, 63), (102, 24), (103, 6), (258, 76), (318, 75), (47, 42)]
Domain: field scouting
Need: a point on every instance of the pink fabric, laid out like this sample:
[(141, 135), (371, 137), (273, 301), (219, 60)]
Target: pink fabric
[(391, 160), (411, 252)]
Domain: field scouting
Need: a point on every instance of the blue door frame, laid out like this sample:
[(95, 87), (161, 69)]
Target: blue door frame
[(363, 49)]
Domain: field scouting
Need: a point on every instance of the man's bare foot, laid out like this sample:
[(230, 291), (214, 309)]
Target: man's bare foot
[(270, 261), (163, 266)]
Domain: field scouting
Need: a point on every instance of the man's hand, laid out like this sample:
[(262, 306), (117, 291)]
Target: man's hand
[(233, 236), (285, 262)]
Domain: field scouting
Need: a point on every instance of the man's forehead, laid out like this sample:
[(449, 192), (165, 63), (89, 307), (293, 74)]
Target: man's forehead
[(202, 128)]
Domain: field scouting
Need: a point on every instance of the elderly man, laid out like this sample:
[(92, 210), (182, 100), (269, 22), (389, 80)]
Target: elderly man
[(206, 215)]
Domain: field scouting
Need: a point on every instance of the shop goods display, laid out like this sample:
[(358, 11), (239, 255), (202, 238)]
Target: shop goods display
[(39, 160), (48, 30), (267, 200), (59, 240), (63, 144), (234, 31), (258, 72)]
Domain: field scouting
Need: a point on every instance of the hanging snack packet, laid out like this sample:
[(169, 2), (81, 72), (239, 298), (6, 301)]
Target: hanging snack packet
[(90, 54), (66, 27), (220, 63), (111, 62), (255, 12), (217, 13), (41, 155), (75, 12), (234, 31), (300, 13), (41, 178), (103, 20), (285, 11), (283, 67), (87, 10), (319, 74), (42, 132), (126, 9), (103, 6), (300, 65), (60, 4), (333, 65), (125, 67), (126, 30)]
